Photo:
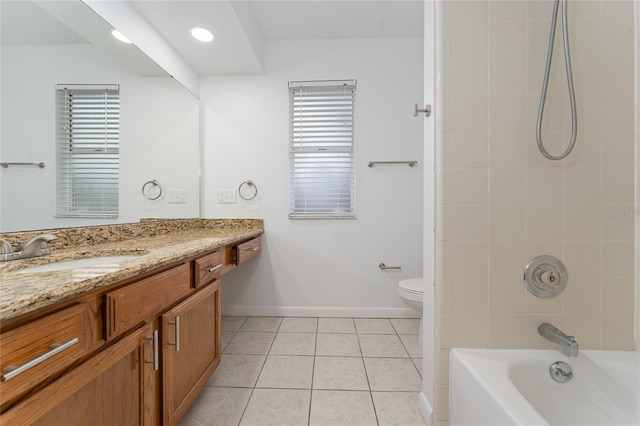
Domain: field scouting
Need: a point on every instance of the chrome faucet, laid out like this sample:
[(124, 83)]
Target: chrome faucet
[(568, 344), (6, 251), (37, 246)]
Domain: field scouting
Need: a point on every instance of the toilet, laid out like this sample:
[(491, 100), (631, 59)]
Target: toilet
[(411, 291)]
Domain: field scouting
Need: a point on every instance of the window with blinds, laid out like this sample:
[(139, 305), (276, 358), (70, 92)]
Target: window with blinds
[(322, 182), (87, 150)]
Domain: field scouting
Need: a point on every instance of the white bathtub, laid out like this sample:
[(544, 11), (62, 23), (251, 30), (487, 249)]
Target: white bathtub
[(513, 387)]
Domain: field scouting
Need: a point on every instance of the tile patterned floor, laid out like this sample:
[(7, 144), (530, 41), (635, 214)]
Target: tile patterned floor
[(313, 371)]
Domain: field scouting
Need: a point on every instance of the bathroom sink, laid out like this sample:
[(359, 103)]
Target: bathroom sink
[(88, 262)]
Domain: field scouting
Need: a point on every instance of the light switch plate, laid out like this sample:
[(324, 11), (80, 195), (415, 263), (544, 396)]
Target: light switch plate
[(226, 196), (177, 197)]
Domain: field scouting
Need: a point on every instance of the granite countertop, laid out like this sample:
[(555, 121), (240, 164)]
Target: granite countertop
[(154, 243)]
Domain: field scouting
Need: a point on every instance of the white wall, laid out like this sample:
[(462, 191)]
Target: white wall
[(158, 135), (321, 267)]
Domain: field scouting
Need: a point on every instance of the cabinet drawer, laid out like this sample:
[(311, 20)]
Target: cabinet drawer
[(137, 302), (209, 268), (32, 353), (249, 249)]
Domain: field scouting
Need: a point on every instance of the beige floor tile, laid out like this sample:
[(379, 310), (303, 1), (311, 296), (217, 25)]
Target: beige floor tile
[(294, 344), (232, 323), (277, 407), (374, 326), (239, 371), (341, 408), (226, 338), (410, 343), (339, 373), (382, 345), (291, 372), (392, 374), (249, 343), (406, 325), (298, 325), (217, 406), (336, 325), (318, 371), (397, 408), (337, 345), (261, 324)]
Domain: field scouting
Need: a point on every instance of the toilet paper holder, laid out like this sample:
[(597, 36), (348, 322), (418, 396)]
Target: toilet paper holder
[(383, 266)]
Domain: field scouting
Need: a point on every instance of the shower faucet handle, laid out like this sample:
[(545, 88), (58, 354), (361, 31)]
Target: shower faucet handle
[(545, 276), (548, 277)]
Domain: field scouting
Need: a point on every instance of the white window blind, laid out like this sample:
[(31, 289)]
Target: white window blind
[(322, 180), (87, 150)]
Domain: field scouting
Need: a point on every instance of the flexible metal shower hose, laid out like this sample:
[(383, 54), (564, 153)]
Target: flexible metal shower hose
[(545, 84)]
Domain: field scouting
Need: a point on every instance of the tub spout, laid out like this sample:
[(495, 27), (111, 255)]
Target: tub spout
[(567, 344)]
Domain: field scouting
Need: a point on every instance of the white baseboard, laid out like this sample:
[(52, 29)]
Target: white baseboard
[(312, 311), (425, 409)]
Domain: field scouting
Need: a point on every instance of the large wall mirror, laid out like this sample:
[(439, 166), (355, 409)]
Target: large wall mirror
[(60, 42)]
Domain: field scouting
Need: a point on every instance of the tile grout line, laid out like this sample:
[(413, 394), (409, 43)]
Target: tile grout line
[(313, 370)]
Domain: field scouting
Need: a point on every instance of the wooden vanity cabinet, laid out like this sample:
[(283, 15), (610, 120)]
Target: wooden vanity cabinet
[(144, 349)]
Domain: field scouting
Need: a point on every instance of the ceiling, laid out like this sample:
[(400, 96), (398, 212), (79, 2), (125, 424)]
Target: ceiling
[(241, 28)]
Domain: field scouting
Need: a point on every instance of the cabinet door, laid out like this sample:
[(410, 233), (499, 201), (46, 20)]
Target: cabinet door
[(191, 350)]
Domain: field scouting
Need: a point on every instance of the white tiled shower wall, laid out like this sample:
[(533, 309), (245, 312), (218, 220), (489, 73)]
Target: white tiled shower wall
[(500, 203)]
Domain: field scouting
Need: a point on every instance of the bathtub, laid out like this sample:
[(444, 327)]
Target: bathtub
[(513, 387)]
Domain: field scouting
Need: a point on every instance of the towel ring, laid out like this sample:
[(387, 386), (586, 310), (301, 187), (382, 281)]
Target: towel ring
[(146, 193), (251, 188)]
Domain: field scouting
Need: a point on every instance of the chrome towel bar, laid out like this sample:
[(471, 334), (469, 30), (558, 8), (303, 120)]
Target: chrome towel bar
[(408, 163), (5, 165)]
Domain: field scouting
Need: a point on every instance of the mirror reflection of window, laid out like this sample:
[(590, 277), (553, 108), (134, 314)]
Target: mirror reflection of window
[(87, 150)]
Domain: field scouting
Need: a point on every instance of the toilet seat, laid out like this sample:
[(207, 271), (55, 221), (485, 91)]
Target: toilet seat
[(412, 286)]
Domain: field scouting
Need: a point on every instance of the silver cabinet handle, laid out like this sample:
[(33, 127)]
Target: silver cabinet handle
[(177, 324), (214, 268), (154, 361), (12, 371), (255, 249)]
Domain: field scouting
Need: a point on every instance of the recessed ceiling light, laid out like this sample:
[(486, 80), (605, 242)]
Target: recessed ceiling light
[(202, 34), (117, 34)]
